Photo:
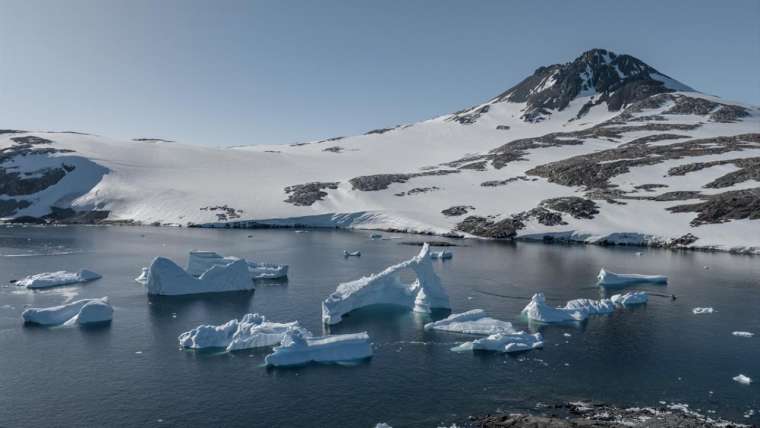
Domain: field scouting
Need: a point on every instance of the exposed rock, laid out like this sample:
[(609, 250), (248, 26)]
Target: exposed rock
[(495, 183), (307, 194), (750, 170), (9, 207), (579, 208), (370, 183), (489, 228), (542, 215), (457, 210), (153, 140), (227, 213), (333, 149), (650, 187), (418, 190), (379, 131), (682, 241), (689, 105), (723, 207), (502, 127), (729, 114), (477, 166)]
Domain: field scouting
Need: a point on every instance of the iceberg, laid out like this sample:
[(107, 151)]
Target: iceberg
[(441, 255), (166, 278), (347, 253), (744, 380), (85, 311), (471, 322), (700, 311), (297, 349), (252, 331), (143, 277), (611, 279), (201, 261), (743, 334), (504, 342), (423, 295), (632, 298), (55, 279), (574, 310), (375, 236)]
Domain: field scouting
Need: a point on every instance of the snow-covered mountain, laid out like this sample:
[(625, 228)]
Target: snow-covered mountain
[(602, 149)]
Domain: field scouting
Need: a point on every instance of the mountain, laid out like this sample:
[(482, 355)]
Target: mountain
[(604, 149)]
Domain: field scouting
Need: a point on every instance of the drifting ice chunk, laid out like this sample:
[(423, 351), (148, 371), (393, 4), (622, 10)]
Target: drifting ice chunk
[(699, 311), (386, 287), (632, 298), (744, 380), (611, 279), (471, 322), (504, 342), (55, 279), (201, 261), (574, 310), (375, 236), (252, 331), (143, 277), (297, 349), (166, 278), (441, 255), (743, 334), (83, 311), (347, 253)]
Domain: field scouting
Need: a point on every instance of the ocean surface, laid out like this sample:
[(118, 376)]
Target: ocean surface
[(132, 372)]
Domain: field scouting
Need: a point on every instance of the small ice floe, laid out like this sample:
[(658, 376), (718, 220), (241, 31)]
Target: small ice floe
[(743, 334), (296, 349), (347, 253), (375, 236), (422, 295), (638, 253), (574, 310), (143, 277), (441, 255), (252, 331), (503, 342), (744, 380), (201, 261), (632, 298), (699, 311), (567, 334), (55, 279), (611, 279), (706, 267), (471, 322), (85, 311), (382, 425), (166, 278)]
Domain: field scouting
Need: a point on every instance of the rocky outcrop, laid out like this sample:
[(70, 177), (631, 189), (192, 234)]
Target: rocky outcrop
[(307, 194), (749, 170), (457, 210), (496, 183), (490, 228), (371, 183), (225, 212), (417, 191), (579, 208), (723, 207)]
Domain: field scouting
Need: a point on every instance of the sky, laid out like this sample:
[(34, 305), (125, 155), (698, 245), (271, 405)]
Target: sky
[(230, 72)]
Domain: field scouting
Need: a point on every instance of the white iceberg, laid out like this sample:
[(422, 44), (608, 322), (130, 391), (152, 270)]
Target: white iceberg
[(574, 310), (85, 311), (441, 255), (471, 322), (297, 349), (700, 311), (252, 331), (166, 278), (386, 287), (504, 342), (611, 279), (143, 277), (744, 380), (347, 253), (632, 298), (743, 334), (201, 261), (55, 279)]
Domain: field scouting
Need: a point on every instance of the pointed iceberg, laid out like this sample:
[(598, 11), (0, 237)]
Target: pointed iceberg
[(574, 310), (252, 331), (471, 322), (166, 278)]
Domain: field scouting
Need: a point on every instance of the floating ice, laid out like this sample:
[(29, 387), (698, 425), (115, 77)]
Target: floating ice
[(632, 298), (744, 380), (471, 322), (611, 279), (707, 310), (574, 310), (166, 278), (347, 253), (504, 342), (441, 255), (55, 279), (743, 334), (85, 311), (375, 236), (296, 349), (386, 287), (201, 261), (143, 277), (252, 331)]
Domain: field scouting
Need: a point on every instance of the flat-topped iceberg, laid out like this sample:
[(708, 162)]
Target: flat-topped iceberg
[(85, 311), (700, 311), (201, 261), (297, 349), (612, 279), (166, 278), (743, 334), (252, 331), (471, 322), (441, 255), (347, 253), (632, 298), (386, 287), (504, 342), (574, 310), (56, 279)]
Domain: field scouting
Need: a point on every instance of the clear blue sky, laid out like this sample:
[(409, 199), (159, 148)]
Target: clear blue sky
[(246, 72)]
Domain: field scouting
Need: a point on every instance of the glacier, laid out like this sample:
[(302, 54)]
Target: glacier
[(503, 342), (297, 349), (574, 310), (423, 295), (166, 278), (85, 311), (252, 331), (56, 279), (474, 321), (611, 279)]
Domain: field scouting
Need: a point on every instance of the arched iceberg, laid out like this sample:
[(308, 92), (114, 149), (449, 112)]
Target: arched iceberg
[(297, 349), (386, 287), (166, 278), (85, 311)]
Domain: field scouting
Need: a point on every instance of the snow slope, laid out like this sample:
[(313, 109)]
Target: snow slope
[(90, 178)]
